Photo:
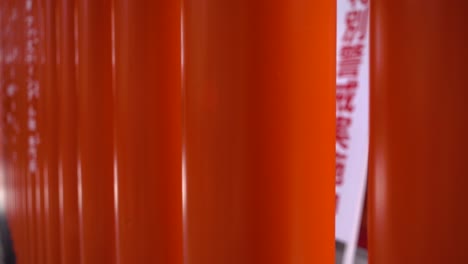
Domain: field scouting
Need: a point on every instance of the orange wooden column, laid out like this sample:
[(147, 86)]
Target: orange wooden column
[(49, 137), (20, 135), (17, 137), (418, 179), (148, 131), (14, 90), (9, 119), (259, 111), (40, 60), (95, 132), (67, 133), (37, 86), (4, 180)]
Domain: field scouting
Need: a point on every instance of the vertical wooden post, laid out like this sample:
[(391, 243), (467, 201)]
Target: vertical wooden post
[(148, 131), (95, 132), (259, 111), (418, 179), (67, 133)]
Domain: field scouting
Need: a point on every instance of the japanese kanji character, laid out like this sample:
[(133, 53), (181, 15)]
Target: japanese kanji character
[(33, 140), (339, 168), (28, 5), (32, 111), (11, 89), (356, 24), (32, 124), (342, 131), (350, 52), (32, 165), (33, 89), (11, 55), (32, 151), (349, 68), (345, 95)]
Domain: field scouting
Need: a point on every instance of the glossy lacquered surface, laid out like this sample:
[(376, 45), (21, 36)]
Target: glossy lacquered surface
[(67, 131), (220, 150), (259, 109), (16, 128), (95, 132), (50, 144), (417, 196), (148, 131)]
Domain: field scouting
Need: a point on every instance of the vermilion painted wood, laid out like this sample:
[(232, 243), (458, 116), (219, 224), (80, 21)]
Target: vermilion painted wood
[(50, 136), (95, 133), (11, 43), (418, 179), (148, 131), (67, 132), (19, 135), (13, 198), (259, 111)]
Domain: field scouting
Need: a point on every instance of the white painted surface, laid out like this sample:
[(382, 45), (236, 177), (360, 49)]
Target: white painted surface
[(355, 111)]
